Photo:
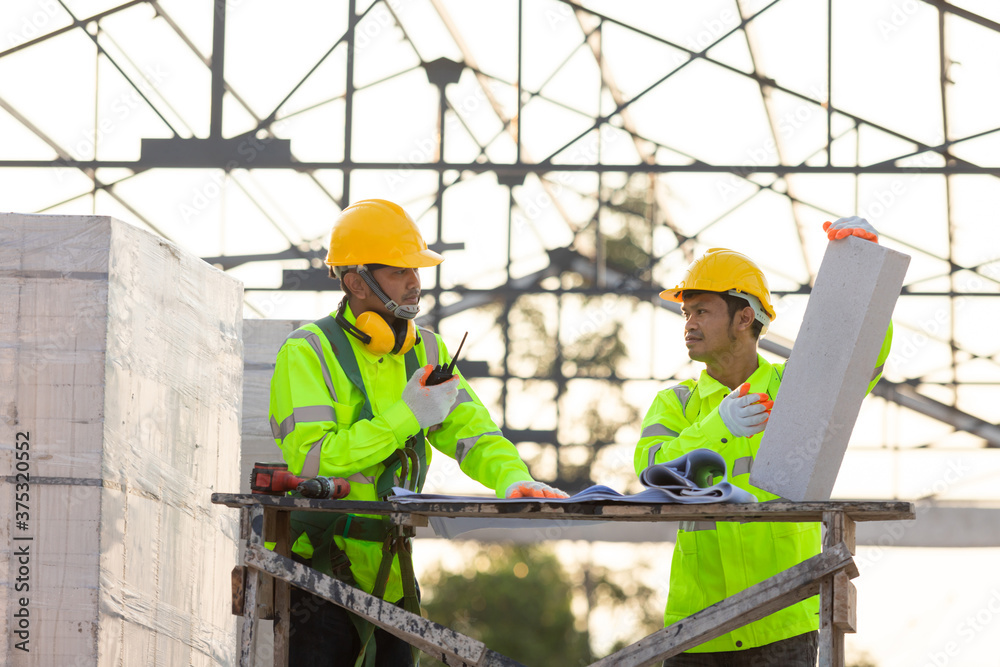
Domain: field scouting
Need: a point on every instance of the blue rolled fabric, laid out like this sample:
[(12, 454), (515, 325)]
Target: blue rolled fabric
[(688, 479)]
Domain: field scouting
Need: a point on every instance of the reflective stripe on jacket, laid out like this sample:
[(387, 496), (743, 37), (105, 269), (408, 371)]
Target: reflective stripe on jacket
[(715, 560), (314, 413)]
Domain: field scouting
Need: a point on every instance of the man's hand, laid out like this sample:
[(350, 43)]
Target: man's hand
[(745, 414), (533, 490), (429, 404), (853, 226)]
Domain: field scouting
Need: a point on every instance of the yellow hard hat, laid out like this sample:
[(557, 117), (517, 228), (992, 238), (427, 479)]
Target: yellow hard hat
[(722, 270), (376, 231)]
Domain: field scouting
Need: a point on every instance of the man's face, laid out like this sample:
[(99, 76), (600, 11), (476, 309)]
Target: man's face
[(708, 331), (400, 285)]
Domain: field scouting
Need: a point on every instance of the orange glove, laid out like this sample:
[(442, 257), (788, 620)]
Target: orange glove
[(429, 404), (762, 399), (745, 414), (533, 490), (853, 226)]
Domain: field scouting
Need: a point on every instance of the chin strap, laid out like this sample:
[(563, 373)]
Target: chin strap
[(758, 308), (402, 312)]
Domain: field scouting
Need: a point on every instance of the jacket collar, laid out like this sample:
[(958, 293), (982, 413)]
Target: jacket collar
[(759, 379)]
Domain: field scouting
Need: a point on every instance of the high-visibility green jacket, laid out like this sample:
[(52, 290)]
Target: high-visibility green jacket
[(715, 560), (314, 411)]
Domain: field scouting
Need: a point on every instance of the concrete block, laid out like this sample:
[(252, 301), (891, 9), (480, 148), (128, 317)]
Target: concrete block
[(829, 369), (261, 341), (121, 355)]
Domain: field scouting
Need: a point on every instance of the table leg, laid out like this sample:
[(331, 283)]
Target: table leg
[(251, 532), (282, 592), (838, 528)]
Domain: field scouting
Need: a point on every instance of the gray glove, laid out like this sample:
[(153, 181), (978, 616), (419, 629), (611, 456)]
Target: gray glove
[(533, 490), (745, 414), (429, 404)]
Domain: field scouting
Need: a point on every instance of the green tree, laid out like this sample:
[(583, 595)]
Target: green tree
[(863, 660), (516, 600), (625, 596)]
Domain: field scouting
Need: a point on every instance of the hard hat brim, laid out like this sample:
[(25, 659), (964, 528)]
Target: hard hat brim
[(672, 294), (421, 259), (415, 260), (676, 294)]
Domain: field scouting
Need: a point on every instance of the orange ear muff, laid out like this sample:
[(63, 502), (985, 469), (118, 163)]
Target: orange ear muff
[(386, 339), (383, 338), (406, 336)]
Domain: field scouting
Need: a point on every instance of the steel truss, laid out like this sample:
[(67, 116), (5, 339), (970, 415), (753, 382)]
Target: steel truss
[(508, 150)]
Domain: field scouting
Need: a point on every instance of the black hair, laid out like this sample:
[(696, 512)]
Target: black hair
[(734, 303)]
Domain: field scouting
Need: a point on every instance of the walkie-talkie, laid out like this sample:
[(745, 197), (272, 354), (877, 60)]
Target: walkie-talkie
[(442, 373)]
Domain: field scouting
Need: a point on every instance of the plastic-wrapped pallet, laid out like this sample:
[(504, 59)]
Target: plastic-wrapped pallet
[(121, 380)]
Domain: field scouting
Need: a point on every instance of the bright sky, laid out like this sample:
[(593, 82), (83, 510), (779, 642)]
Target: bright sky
[(885, 78)]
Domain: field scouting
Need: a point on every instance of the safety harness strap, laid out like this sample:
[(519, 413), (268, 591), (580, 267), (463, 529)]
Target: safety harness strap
[(411, 461), (416, 446), (345, 357), (322, 527), (411, 597)]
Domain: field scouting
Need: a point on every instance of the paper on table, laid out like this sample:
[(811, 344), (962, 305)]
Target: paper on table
[(676, 481), (599, 494)]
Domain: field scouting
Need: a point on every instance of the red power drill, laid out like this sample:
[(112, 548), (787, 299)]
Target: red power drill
[(273, 479)]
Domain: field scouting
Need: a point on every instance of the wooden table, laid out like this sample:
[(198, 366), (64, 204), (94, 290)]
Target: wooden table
[(828, 573)]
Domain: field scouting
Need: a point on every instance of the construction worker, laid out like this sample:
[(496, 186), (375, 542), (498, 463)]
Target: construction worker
[(349, 399), (726, 306)]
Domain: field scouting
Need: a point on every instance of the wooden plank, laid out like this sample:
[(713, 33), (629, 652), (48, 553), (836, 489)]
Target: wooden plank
[(831, 637), (850, 533), (265, 599), (248, 630), (409, 519), (239, 580), (833, 528), (754, 603), (251, 527), (282, 592), (845, 604), (430, 637), (531, 509), (492, 659)]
